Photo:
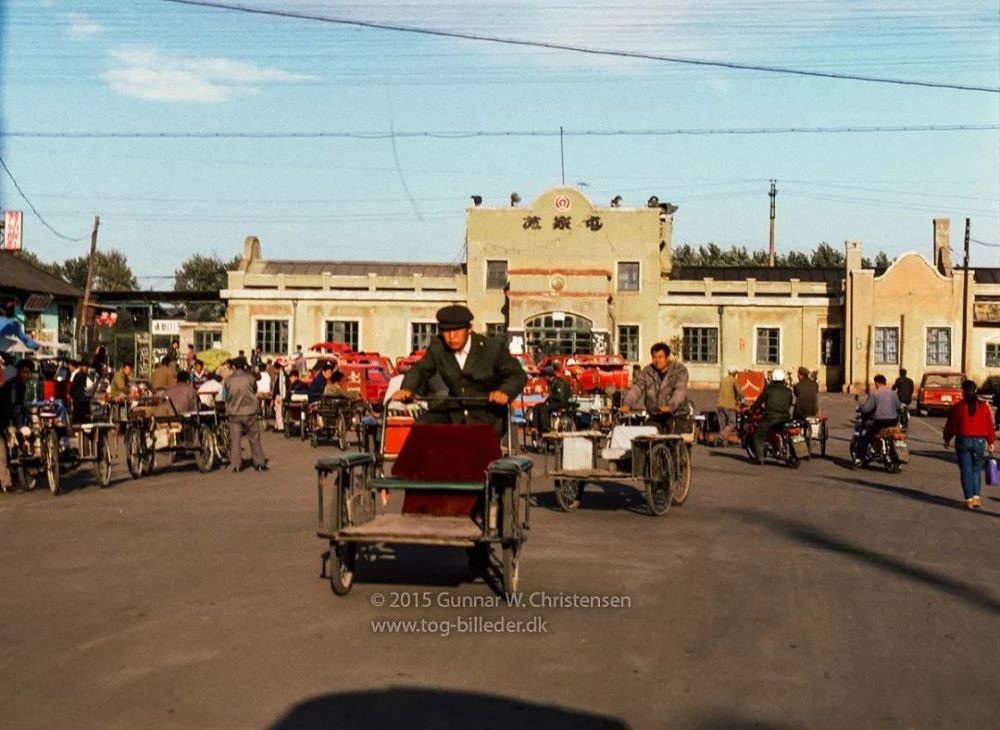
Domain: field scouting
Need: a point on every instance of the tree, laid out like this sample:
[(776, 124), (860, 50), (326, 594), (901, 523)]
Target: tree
[(826, 256), (203, 273), (111, 272), (30, 258), (882, 261)]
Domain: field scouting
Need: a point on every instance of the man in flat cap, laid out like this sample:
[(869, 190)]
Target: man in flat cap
[(470, 365)]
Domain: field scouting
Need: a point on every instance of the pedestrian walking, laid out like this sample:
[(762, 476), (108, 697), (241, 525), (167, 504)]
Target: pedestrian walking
[(970, 423), (241, 413), (730, 396)]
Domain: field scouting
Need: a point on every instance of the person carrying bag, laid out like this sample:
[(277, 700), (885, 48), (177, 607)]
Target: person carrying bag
[(971, 424)]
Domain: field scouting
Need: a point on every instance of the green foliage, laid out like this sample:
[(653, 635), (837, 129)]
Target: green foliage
[(203, 273), (111, 272), (823, 256), (31, 258)]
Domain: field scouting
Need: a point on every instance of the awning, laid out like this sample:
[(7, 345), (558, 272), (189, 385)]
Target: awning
[(37, 303)]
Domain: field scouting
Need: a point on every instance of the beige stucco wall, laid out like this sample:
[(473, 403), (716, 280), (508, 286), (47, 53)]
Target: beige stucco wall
[(571, 270), (911, 295)]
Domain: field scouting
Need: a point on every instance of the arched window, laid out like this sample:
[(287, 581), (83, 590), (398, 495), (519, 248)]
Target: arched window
[(559, 334)]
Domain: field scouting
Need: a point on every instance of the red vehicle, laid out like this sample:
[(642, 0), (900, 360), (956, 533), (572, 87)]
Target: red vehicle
[(939, 390), (527, 362), (588, 373), (405, 363), (332, 348), (369, 380), (368, 358)]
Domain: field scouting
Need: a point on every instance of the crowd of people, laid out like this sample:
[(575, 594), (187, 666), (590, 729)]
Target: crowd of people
[(461, 364)]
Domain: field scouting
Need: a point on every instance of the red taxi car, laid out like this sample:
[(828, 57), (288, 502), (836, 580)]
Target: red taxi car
[(939, 390)]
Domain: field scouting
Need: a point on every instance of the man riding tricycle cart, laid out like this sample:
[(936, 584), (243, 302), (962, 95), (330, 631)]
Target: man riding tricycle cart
[(457, 487)]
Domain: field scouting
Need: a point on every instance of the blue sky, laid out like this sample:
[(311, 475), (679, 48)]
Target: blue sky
[(153, 66)]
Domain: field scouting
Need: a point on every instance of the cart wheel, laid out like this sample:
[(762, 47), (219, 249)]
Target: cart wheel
[(205, 458), (50, 454), (302, 430), (133, 452), (222, 443), (342, 559), (26, 476), (660, 484), (682, 477), (511, 565), (287, 430), (569, 494), (314, 440), (102, 461), (149, 455), (341, 432)]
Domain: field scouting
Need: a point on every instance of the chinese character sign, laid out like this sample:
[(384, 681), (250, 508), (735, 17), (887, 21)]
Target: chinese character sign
[(12, 230)]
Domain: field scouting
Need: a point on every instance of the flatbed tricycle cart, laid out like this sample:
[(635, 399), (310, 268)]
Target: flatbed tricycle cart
[(155, 426), (458, 491), (50, 444), (658, 464)]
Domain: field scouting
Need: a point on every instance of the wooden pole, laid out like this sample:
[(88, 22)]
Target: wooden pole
[(81, 327), (965, 297)]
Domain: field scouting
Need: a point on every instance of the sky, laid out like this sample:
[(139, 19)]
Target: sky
[(153, 66)]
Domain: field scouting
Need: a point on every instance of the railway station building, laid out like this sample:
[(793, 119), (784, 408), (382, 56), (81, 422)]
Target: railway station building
[(562, 275)]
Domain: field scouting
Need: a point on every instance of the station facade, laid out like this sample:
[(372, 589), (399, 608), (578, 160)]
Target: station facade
[(562, 275)]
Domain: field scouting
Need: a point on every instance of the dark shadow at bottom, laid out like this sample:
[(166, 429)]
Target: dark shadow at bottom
[(434, 710)]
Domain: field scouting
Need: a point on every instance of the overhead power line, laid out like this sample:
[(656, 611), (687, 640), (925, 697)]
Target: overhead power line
[(471, 134), (582, 49), (35, 210), (985, 243)]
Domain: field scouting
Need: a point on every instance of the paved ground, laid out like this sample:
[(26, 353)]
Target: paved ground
[(817, 598)]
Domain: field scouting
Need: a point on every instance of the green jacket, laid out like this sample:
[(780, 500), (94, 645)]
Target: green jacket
[(488, 367), (776, 400)]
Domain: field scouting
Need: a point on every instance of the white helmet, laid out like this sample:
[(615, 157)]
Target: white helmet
[(778, 375)]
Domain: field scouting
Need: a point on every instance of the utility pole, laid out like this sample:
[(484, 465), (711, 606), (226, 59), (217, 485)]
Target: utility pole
[(772, 194), (81, 325), (965, 295), (562, 155)]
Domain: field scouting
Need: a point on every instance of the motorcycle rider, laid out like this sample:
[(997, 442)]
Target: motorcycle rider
[(882, 407), (776, 402)]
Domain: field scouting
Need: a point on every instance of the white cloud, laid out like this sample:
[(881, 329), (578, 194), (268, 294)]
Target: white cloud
[(82, 26), (154, 76)]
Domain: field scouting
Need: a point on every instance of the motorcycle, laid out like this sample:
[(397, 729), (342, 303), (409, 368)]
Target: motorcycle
[(888, 446), (785, 442)]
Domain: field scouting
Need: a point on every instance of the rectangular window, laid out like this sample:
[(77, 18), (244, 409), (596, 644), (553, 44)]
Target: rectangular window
[(993, 354), (496, 329), (701, 344), (628, 342), (628, 276), (939, 346), (496, 274), (886, 345), (421, 334), (206, 339), (768, 346), (272, 336), (343, 331)]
